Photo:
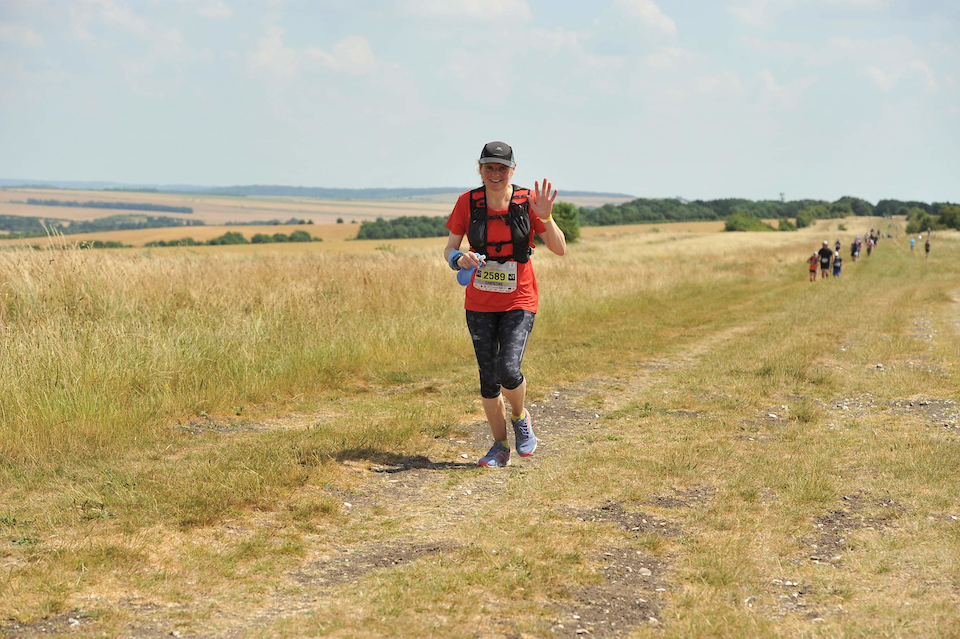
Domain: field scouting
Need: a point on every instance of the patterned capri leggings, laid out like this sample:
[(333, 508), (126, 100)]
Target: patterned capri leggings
[(499, 340)]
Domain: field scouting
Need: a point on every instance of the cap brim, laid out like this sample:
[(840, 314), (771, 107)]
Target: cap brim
[(498, 161)]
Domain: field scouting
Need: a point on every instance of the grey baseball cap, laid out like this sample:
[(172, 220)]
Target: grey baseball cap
[(497, 152)]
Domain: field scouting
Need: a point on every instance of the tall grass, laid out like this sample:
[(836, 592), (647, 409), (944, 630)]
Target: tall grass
[(100, 349)]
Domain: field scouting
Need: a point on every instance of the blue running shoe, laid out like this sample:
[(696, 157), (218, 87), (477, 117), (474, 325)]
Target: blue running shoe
[(526, 440), (498, 456)]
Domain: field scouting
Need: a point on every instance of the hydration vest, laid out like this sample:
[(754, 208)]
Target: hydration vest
[(517, 218)]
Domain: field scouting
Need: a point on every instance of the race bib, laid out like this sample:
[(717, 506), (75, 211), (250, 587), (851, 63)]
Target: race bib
[(495, 277)]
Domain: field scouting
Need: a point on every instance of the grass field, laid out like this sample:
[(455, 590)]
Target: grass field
[(266, 441)]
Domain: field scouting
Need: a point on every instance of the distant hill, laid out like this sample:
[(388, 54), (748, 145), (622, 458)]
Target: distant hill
[(258, 190)]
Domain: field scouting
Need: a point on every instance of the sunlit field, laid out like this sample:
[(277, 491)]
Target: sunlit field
[(280, 440), (217, 210)]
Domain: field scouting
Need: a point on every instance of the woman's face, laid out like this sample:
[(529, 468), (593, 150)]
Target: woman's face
[(496, 176)]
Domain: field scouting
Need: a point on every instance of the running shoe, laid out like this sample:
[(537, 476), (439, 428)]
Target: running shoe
[(498, 456), (526, 440)]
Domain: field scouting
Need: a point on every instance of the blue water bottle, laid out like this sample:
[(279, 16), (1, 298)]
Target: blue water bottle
[(465, 275)]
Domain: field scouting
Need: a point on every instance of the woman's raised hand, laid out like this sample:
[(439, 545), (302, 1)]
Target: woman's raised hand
[(543, 198)]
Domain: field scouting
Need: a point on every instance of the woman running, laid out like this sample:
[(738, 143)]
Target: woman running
[(499, 220)]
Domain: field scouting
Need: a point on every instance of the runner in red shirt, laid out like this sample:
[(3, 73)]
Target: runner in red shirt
[(499, 220)]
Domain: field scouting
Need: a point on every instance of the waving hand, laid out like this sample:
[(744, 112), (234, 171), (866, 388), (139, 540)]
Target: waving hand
[(544, 197)]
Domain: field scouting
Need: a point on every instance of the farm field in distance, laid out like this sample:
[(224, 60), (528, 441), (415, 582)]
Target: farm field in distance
[(217, 210), (280, 440)]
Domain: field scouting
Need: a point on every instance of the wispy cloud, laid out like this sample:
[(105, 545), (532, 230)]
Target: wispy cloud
[(667, 57), (21, 35), (273, 57), (472, 10), (212, 8), (649, 14), (725, 81), (352, 55), (759, 13), (888, 61), (786, 96)]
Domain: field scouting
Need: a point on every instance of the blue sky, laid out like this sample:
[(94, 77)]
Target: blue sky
[(733, 98)]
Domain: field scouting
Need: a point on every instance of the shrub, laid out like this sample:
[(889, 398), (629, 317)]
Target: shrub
[(918, 221), (950, 217), (230, 237), (339, 220), (567, 217), (261, 238), (786, 225), (281, 237), (805, 218), (742, 222), (300, 236), (184, 241)]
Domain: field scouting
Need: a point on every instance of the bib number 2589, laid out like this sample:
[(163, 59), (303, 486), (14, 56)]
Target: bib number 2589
[(495, 277)]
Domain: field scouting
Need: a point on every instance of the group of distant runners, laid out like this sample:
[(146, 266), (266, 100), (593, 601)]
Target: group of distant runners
[(828, 260)]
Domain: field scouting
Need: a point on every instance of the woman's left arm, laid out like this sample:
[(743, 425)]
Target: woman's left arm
[(542, 207)]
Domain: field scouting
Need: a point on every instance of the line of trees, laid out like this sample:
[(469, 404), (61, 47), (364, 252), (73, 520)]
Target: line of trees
[(21, 226), (233, 237), (291, 222), (403, 227), (126, 206)]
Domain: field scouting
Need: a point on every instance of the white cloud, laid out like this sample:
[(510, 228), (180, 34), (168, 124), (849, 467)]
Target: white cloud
[(552, 42), (352, 55), (725, 81), (914, 69), (650, 15), (758, 13), (20, 34), (764, 13), (888, 61), (786, 96), (273, 57), (211, 8), (869, 5), (120, 15), (667, 57), (473, 10)]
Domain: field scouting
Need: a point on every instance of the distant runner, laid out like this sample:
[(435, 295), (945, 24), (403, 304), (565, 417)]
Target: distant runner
[(911, 243), (825, 255), (837, 263), (837, 246), (813, 260), (855, 249), (926, 247), (499, 220)]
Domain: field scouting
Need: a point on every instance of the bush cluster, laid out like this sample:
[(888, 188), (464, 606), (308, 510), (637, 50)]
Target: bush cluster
[(403, 227), (744, 222)]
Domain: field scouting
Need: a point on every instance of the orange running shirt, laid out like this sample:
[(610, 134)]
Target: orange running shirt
[(526, 296)]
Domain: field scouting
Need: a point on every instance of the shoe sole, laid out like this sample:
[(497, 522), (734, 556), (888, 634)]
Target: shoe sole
[(484, 465)]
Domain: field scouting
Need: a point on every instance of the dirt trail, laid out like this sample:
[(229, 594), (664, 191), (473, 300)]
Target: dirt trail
[(431, 496)]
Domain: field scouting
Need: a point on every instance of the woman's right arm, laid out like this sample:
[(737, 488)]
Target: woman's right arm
[(468, 260)]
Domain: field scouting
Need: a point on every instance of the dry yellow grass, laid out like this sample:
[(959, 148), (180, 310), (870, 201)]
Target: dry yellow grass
[(184, 429)]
